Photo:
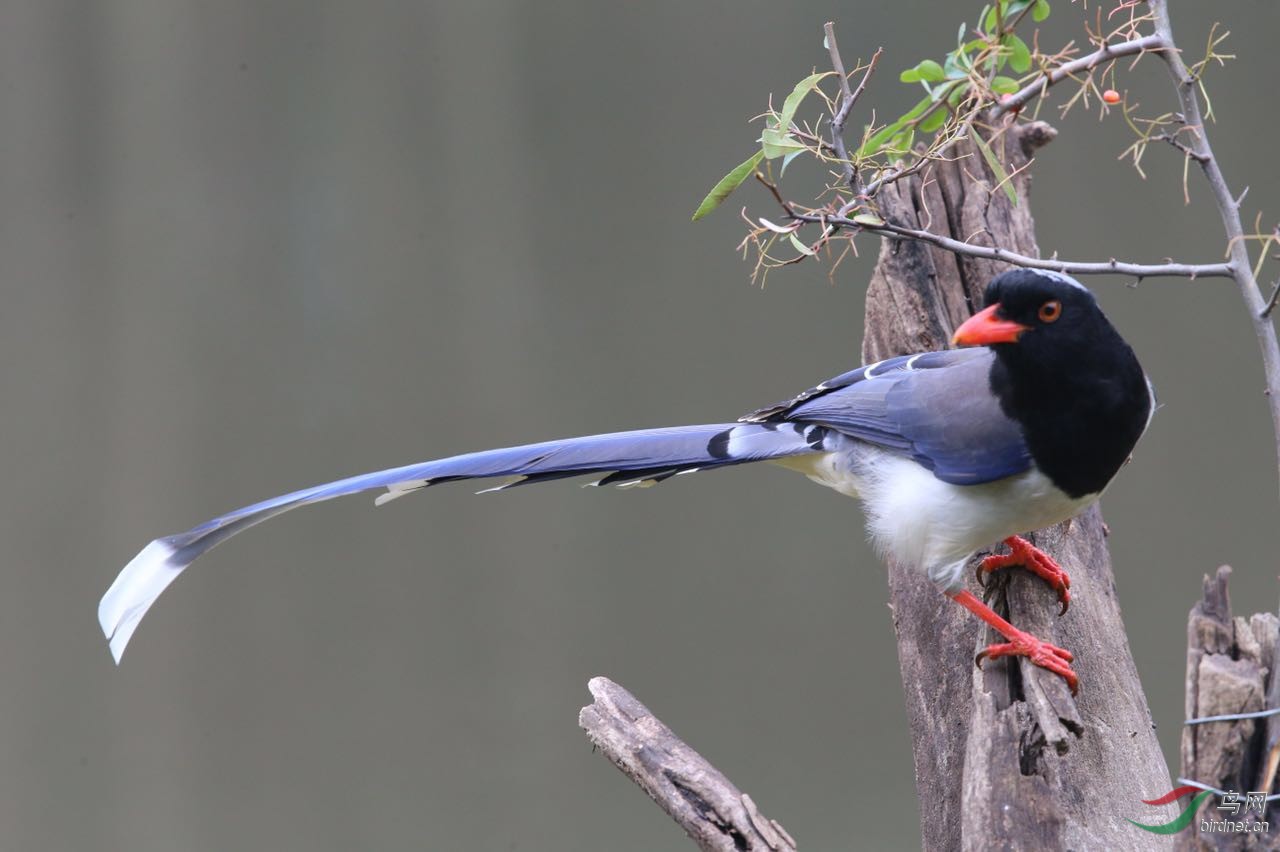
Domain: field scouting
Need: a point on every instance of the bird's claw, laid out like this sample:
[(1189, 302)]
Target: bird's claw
[(1024, 553), (1039, 652)]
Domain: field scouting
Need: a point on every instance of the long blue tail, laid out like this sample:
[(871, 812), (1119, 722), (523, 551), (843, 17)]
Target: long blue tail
[(626, 458)]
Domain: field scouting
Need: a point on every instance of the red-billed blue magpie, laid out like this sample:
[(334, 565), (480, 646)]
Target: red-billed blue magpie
[(949, 452)]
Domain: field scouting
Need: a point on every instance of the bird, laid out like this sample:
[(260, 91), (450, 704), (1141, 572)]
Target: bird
[(950, 452)]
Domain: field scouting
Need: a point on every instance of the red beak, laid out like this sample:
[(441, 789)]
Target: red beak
[(984, 328)]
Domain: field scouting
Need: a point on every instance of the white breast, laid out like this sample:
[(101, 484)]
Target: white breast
[(931, 524)]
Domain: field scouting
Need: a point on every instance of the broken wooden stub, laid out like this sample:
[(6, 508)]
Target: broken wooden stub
[(713, 812), (1230, 661)]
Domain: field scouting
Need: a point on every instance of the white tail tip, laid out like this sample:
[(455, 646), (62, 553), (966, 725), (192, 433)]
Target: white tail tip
[(133, 592)]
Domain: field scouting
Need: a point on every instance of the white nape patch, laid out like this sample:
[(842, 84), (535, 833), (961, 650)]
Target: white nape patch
[(134, 591), (1063, 278), (505, 484), (395, 492)]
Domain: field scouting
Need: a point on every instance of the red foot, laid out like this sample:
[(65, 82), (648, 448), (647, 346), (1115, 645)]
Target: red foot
[(1020, 644), (1035, 560), (1041, 653)]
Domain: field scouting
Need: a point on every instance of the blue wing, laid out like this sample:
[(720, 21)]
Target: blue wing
[(936, 407)]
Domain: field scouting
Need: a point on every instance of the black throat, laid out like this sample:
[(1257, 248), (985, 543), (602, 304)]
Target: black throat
[(1082, 408)]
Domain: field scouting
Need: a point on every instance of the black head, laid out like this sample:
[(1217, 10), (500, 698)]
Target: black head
[(1064, 373), (1035, 311)]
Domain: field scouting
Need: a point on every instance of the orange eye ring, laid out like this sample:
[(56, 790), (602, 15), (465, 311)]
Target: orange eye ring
[(1050, 311)]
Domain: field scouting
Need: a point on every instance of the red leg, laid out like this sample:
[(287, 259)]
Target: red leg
[(1035, 560), (1020, 644)]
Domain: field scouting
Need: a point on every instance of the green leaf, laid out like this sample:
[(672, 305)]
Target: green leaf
[(934, 121), (774, 143), (1002, 177), (930, 71), (868, 220), (1020, 55), (1004, 85), (926, 71), (800, 246), (727, 184), (798, 94), (1041, 11)]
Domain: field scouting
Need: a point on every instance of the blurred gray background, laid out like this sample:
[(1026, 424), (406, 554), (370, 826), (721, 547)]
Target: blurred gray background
[(248, 247)]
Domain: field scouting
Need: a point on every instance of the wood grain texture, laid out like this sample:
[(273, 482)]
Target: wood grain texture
[(1005, 758)]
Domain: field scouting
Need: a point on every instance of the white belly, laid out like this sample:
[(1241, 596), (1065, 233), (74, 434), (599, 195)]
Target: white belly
[(931, 524)]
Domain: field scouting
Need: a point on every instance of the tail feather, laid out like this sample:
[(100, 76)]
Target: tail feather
[(641, 457)]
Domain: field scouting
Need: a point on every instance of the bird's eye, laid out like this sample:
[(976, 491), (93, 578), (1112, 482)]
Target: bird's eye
[(1050, 311)]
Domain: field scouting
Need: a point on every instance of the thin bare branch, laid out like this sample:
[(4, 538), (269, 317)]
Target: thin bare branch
[(1106, 267), (847, 99), (1106, 53), (1187, 150), (845, 108)]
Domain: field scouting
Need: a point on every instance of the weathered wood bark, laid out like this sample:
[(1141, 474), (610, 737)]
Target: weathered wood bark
[(1005, 757), (713, 812), (1230, 662)]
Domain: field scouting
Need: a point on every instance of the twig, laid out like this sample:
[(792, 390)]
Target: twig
[(862, 86), (937, 154), (1187, 150), (1106, 267), (847, 100), (1228, 209), (712, 811), (1106, 53), (777, 195), (1020, 98), (1271, 303)]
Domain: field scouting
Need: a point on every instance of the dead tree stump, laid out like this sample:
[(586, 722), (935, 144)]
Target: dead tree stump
[(1005, 758)]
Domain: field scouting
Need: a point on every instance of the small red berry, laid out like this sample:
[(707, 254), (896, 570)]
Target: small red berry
[(1111, 96)]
